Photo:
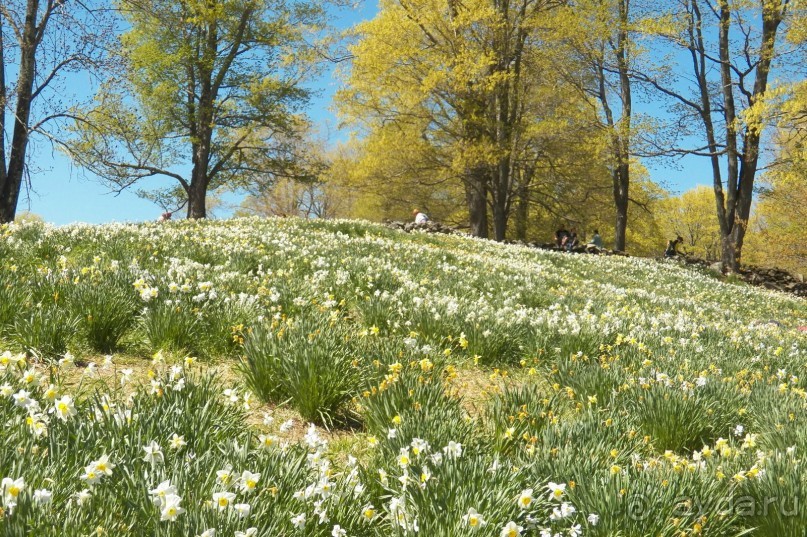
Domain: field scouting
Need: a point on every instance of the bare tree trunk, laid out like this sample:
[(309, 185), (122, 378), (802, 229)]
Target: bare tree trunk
[(203, 127), (197, 196), (476, 200), (3, 94), (499, 222), (11, 180), (522, 205), (619, 128), (621, 182), (742, 166), (622, 143)]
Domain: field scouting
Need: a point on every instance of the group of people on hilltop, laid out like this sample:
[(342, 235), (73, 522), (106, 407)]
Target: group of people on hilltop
[(568, 239)]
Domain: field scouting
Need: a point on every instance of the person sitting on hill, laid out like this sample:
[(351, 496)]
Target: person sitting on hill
[(596, 240), (571, 240), (672, 247), (420, 218), (561, 236), (165, 216)]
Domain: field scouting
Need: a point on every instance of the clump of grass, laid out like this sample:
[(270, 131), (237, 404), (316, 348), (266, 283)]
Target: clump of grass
[(12, 300), (45, 330), (588, 378), (105, 312), (173, 326), (684, 421), (415, 404), (517, 413), (223, 324), (310, 363)]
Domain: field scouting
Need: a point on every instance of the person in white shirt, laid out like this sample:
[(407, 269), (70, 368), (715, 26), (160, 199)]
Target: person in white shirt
[(420, 218)]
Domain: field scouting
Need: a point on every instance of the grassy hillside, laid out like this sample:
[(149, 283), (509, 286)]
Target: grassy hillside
[(160, 379)]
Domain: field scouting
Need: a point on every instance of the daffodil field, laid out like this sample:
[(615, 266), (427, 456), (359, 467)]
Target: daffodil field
[(286, 377)]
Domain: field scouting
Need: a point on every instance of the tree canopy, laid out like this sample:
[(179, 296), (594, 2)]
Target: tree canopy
[(209, 94)]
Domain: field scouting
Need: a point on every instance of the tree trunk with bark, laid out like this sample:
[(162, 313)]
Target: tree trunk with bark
[(522, 209), (11, 176), (476, 200), (621, 201), (734, 203), (622, 140)]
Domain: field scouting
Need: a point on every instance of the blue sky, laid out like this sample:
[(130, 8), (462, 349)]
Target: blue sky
[(63, 193)]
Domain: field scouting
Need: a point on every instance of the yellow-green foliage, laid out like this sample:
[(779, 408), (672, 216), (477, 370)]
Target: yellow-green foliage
[(692, 216)]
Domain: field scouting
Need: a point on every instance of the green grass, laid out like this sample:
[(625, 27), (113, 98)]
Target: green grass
[(428, 378)]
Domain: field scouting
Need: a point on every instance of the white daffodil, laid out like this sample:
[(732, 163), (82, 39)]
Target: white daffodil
[(242, 509), (368, 512), (248, 481), (103, 465), (556, 490), (511, 529), (64, 408), (222, 500), (298, 521), (162, 491), (267, 441), (453, 450), (42, 496), (177, 442), (12, 489), (473, 519), (126, 376), (171, 508), (225, 477), (154, 453), (82, 497), (525, 499), (23, 399)]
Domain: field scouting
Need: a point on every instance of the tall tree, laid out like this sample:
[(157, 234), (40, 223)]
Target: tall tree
[(619, 128), (609, 50), (779, 235), (460, 72), (210, 96), (730, 48), (41, 43)]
